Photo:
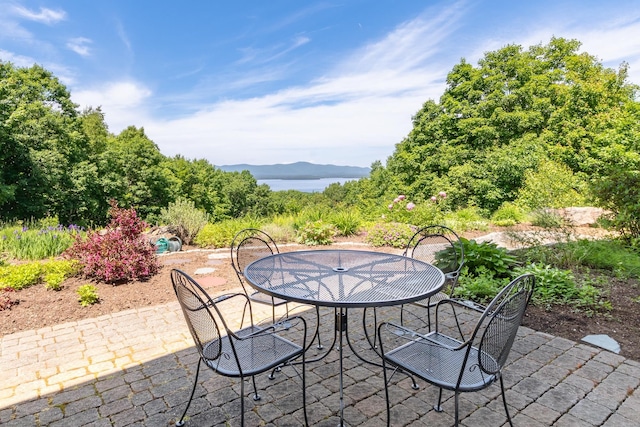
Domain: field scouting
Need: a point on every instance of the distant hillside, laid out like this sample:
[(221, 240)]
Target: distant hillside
[(299, 170)]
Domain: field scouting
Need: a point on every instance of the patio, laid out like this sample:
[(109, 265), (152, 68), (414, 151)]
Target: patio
[(135, 368)]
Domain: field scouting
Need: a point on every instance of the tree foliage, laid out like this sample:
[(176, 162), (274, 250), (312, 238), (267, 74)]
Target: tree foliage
[(498, 122)]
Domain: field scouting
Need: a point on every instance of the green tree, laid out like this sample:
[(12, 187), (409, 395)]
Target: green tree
[(500, 120), (133, 172), (41, 142)]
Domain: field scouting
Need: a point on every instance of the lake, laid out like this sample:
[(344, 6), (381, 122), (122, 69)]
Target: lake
[(305, 185)]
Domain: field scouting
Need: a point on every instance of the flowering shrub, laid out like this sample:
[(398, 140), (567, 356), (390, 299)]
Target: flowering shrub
[(405, 211), (119, 254), (392, 234)]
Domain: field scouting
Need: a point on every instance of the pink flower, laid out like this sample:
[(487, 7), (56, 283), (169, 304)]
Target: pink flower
[(396, 200), (434, 199), (410, 206), (390, 206), (401, 197), (442, 194)]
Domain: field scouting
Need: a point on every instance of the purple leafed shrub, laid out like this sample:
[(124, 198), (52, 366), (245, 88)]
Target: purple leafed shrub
[(118, 254), (6, 302)]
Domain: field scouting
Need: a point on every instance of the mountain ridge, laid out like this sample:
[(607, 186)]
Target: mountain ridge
[(298, 170)]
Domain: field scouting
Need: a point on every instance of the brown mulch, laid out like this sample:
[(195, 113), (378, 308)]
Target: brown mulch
[(39, 307)]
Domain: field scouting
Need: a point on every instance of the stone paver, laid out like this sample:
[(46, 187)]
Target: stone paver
[(135, 368)]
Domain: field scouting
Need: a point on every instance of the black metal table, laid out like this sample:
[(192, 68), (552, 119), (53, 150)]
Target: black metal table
[(344, 279)]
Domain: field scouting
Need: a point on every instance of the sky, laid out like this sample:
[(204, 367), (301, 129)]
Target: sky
[(281, 81)]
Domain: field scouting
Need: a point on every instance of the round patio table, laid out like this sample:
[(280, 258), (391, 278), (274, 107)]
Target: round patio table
[(344, 279)]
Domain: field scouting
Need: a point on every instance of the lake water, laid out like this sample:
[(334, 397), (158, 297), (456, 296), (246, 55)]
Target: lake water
[(305, 185)]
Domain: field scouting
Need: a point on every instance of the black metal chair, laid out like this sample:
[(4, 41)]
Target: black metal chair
[(467, 362), (248, 245), (244, 353), (251, 244), (440, 246)]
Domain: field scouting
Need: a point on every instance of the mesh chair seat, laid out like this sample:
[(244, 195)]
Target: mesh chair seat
[(256, 354), (434, 360)]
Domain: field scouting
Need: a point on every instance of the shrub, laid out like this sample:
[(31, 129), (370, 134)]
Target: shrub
[(220, 234), (508, 214), (186, 220), (87, 295), (466, 219), (316, 233), (481, 288), (557, 286), (56, 272), (346, 222), (486, 256), (392, 234), (119, 254), (20, 276)]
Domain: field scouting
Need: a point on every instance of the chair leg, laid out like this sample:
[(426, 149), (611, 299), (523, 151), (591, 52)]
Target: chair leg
[(386, 391), (504, 400), (242, 401), (180, 423), (457, 417), (438, 407), (256, 396)]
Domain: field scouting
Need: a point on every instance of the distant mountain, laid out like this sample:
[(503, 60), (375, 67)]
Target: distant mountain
[(299, 170)]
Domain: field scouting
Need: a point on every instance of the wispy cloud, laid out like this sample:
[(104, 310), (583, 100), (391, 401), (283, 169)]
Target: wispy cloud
[(80, 45), (45, 15)]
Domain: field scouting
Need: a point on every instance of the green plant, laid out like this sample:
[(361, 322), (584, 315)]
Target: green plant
[(20, 276), (508, 214), (316, 233), (486, 256), (25, 243), (469, 218), (346, 222), (480, 288), (220, 234), (87, 295), (546, 218), (56, 272), (185, 218), (392, 234)]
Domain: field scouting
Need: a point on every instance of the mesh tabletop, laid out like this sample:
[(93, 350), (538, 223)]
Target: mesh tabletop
[(344, 278)]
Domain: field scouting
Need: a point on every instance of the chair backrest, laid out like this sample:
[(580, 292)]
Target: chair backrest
[(196, 306), (437, 245), (250, 245), (500, 321)]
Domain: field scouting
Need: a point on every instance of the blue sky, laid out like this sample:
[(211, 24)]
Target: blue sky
[(281, 81)]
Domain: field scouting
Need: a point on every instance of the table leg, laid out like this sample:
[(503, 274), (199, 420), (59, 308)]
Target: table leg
[(341, 327)]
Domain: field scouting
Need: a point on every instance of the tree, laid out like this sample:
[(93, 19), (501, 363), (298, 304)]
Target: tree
[(41, 142), (516, 109), (133, 173)]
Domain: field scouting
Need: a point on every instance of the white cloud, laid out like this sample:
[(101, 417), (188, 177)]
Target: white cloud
[(45, 16), (80, 45), (122, 102)]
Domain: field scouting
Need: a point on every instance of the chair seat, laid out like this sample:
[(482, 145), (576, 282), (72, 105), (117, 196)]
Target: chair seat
[(263, 298), (434, 361), (257, 354)]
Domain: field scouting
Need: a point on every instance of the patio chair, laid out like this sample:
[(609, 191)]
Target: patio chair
[(464, 362), (240, 354), (249, 245), (440, 246)]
